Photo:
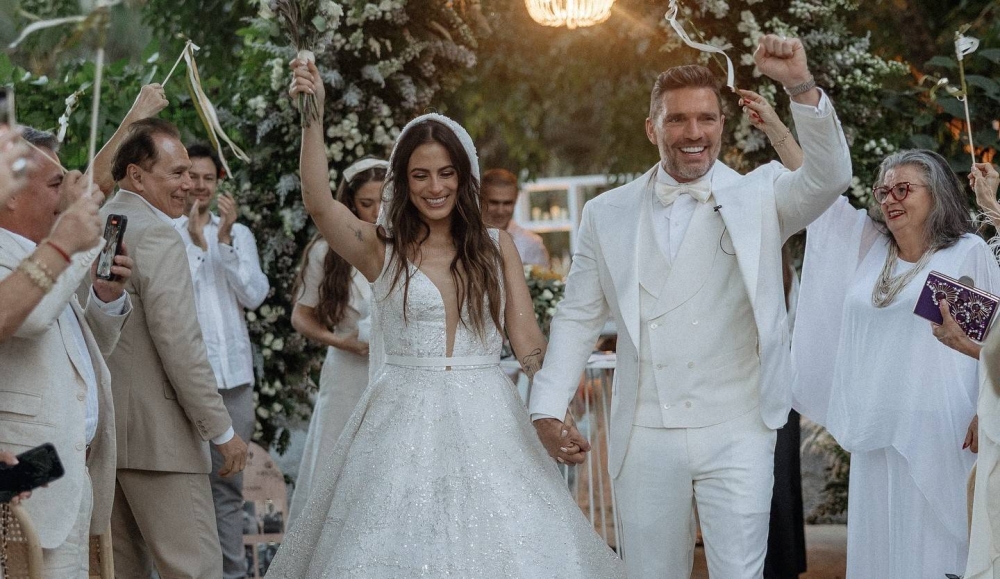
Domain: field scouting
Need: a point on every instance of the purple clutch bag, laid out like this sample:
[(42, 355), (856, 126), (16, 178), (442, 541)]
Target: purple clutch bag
[(972, 308)]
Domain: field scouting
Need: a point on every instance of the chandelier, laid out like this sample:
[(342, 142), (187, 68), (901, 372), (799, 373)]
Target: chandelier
[(569, 13)]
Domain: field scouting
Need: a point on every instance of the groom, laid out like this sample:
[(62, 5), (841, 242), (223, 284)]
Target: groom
[(695, 289)]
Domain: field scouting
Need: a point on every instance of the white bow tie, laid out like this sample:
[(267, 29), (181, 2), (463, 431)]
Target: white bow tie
[(667, 194)]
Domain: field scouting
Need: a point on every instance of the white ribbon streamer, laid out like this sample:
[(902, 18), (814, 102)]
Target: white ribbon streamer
[(672, 19), (207, 111), (966, 45), (42, 25)]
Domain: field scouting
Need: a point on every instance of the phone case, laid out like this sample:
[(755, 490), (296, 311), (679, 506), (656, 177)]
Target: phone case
[(34, 468), (114, 231)]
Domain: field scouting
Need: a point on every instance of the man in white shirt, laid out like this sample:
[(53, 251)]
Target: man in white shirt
[(55, 386), (227, 280), (687, 259), (499, 191)]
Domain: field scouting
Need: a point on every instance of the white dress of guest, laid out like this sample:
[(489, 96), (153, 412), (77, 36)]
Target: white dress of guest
[(891, 394), (341, 381), (984, 539)]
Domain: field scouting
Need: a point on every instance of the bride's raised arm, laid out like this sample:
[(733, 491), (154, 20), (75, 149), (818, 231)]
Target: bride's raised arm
[(353, 239)]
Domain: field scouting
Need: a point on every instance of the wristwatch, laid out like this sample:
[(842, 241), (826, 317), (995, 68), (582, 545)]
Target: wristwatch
[(801, 88)]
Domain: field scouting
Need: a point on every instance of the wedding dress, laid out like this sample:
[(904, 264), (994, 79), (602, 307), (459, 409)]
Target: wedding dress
[(439, 472)]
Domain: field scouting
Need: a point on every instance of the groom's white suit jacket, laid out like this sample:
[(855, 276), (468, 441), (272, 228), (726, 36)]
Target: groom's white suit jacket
[(759, 211)]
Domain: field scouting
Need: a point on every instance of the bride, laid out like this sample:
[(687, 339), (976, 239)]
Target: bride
[(438, 473)]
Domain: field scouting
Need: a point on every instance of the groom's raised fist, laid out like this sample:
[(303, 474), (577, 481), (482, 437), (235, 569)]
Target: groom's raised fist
[(784, 60)]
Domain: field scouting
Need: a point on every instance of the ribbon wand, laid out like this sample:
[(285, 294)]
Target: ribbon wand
[(965, 45)]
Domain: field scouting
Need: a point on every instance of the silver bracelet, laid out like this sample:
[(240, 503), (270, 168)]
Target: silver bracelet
[(801, 88)]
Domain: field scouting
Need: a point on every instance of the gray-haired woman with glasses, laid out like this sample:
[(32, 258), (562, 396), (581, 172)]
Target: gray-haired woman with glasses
[(876, 376)]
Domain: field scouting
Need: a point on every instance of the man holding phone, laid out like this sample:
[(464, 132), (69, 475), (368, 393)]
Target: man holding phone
[(167, 403), (55, 386)]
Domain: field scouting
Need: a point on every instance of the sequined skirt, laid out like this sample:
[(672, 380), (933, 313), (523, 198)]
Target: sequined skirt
[(440, 474)]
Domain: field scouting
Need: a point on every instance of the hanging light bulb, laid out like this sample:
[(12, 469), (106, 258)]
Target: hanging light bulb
[(569, 13)]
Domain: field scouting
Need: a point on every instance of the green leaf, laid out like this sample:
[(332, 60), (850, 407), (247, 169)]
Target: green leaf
[(942, 61), (988, 84), (320, 23), (924, 142), (991, 54), (923, 119)]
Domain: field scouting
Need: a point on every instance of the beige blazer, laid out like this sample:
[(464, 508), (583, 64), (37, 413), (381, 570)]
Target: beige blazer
[(167, 402), (760, 211), (43, 398)]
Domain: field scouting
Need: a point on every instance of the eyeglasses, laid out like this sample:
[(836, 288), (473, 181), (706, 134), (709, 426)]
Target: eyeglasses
[(899, 191)]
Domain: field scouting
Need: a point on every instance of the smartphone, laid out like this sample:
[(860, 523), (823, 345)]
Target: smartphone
[(34, 468), (114, 231)]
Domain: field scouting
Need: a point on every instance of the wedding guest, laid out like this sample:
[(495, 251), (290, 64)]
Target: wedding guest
[(168, 406), (55, 386), (871, 372), (79, 225), (225, 270), (500, 192), (687, 259), (332, 300), (984, 536), (786, 540)]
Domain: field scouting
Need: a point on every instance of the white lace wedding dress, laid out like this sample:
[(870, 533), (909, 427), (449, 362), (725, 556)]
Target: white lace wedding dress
[(439, 473)]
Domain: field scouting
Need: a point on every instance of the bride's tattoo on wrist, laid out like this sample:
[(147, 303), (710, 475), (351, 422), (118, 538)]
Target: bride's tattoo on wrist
[(532, 363)]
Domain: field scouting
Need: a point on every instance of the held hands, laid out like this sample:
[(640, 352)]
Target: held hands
[(562, 440), (227, 215), (234, 453), (306, 80), (984, 180), (782, 59), (110, 290)]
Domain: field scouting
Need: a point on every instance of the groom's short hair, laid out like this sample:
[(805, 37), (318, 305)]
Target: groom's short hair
[(677, 77)]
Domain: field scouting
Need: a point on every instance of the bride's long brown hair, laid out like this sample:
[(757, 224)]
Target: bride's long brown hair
[(477, 264)]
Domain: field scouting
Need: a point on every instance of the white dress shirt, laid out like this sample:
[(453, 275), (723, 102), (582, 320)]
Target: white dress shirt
[(227, 279), (230, 433), (69, 320), (529, 245)]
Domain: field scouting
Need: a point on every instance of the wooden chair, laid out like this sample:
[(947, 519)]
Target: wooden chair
[(20, 547), (102, 559), (264, 488)]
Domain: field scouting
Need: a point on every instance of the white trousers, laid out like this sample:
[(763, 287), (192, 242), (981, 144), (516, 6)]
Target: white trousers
[(71, 560), (727, 469)]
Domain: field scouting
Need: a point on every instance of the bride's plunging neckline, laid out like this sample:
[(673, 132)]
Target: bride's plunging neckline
[(450, 333)]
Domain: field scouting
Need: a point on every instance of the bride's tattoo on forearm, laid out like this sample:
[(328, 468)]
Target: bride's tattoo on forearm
[(358, 234), (532, 363)]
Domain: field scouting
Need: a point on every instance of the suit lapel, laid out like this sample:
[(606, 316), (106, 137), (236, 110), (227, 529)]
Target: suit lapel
[(621, 244), (694, 260), (741, 214), (72, 348)]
